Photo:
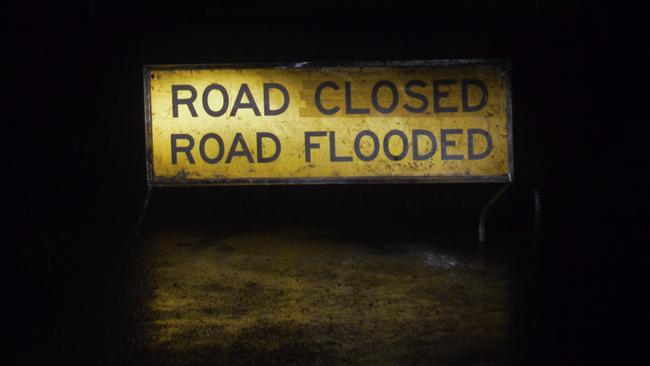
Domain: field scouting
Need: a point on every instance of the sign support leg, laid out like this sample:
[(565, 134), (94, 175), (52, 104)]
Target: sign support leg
[(481, 222), (538, 211), (145, 204)]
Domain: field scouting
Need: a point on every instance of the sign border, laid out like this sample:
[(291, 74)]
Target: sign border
[(167, 182)]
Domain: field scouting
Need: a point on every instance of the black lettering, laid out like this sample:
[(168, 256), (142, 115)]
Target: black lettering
[(187, 101), (375, 92), (267, 96), (421, 97), (465, 83), (437, 95), (317, 101), (471, 155), (333, 156), (185, 149), (224, 96), (202, 143), (444, 143), (348, 102), (309, 145), (375, 144), (405, 145), (416, 152), (239, 140), (260, 147), (238, 101)]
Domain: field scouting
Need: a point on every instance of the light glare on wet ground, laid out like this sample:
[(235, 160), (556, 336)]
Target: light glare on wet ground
[(319, 297)]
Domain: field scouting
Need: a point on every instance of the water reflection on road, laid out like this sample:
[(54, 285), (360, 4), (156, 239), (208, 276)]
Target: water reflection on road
[(323, 297)]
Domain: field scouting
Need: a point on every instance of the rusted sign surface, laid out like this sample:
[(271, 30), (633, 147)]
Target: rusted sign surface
[(419, 121)]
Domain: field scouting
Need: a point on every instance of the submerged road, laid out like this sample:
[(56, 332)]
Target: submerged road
[(318, 297)]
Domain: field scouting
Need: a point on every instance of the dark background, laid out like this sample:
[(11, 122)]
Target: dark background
[(74, 170)]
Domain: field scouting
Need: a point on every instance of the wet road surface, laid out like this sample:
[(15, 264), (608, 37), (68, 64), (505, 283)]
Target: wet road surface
[(318, 297)]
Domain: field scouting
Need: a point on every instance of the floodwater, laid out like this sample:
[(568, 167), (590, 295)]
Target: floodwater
[(300, 296)]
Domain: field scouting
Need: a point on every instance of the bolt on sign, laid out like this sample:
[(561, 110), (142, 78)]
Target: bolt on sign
[(415, 121)]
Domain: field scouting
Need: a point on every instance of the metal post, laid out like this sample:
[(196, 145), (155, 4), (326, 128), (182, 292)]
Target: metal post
[(537, 224), (481, 222), (538, 212), (144, 209)]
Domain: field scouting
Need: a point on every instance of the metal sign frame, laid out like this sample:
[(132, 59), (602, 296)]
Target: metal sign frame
[(176, 182)]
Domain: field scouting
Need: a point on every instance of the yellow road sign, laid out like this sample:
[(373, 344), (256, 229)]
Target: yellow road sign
[(418, 121)]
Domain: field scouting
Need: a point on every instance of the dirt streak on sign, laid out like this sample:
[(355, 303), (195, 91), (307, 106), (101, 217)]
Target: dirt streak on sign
[(413, 121)]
